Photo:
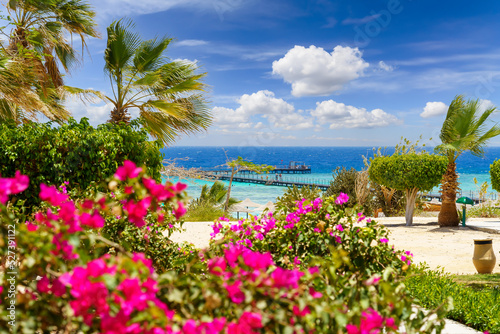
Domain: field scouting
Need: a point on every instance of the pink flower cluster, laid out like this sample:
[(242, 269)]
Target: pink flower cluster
[(406, 257), (137, 210), (93, 299), (12, 186), (371, 323), (341, 199), (241, 266)]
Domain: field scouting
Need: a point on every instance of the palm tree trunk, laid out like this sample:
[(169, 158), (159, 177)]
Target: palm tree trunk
[(119, 116), (448, 215)]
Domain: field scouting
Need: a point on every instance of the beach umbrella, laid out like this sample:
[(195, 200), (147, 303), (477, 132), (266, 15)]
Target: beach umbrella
[(269, 206), (464, 200), (249, 203), (239, 208)]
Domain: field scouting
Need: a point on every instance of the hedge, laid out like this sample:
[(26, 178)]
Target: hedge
[(76, 153)]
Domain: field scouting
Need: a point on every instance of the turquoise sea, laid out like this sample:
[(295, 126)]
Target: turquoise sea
[(321, 159)]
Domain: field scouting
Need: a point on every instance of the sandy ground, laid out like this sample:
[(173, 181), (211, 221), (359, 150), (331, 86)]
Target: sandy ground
[(449, 248)]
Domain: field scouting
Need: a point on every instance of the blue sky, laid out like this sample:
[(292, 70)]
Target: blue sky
[(317, 73)]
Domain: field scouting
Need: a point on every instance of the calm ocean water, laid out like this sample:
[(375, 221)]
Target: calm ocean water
[(321, 159)]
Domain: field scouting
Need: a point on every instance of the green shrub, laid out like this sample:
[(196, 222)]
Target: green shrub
[(203, 212), (358, 267), (293, 194), (74, 152), (495, 175), (477, 309), (344, 181), (485, 210), (236, 291)]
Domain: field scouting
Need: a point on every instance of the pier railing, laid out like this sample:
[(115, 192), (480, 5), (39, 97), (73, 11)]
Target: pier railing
[(276, 177)]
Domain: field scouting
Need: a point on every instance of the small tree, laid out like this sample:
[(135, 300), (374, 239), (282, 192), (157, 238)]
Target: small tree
[(241, 164), (412, 172), (495, 175)]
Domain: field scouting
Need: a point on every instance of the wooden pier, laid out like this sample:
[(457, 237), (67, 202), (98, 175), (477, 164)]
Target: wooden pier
[(294, 167), (272, 182)]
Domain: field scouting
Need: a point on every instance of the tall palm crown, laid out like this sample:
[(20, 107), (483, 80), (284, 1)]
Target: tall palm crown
[(44, 26), (38, 47), (167, 94), (464, 129)]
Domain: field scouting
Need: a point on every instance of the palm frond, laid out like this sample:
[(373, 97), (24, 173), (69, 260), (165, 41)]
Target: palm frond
[(121, 47), (150, 54)]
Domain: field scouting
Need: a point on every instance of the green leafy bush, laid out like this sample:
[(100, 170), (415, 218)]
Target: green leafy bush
[(73, 152), (357, 266), (293, 194), (210, 205), (344, 181), (477, 309), (235, 291), (495, 175)]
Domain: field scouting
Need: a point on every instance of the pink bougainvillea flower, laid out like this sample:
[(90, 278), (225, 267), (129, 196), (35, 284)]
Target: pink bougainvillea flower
[(216, 227), (140, 257), (158, 191), (371, 323), (19, 183), (95, 220), (384, 240), (180, 187), (129, 170), (314, 270), (315, 294), (341, 199), (296, 310), (43, 285), (235, 294), (58, 288), (284, 278), (51, 195), (31, 227), (232, 254), (339, 227), (256, 260), (88, 204), (67, 213), (137, 210), (217, 266), (63, 248), (180, 210)]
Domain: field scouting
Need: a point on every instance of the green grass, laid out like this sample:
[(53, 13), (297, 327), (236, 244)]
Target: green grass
[(479, 281), (476, 299)]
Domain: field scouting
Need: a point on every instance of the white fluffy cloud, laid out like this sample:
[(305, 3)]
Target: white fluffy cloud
[(278, 112), (313, 71), (433, 109), (97, 114), (339, 115)]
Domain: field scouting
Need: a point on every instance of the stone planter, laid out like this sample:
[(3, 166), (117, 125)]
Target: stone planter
[(484, 258)]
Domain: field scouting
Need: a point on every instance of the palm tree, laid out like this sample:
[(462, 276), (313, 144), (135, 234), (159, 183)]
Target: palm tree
[(38, 47), (215, 196), (41, 31), (464, 129), (18, 101), (167, 94)]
